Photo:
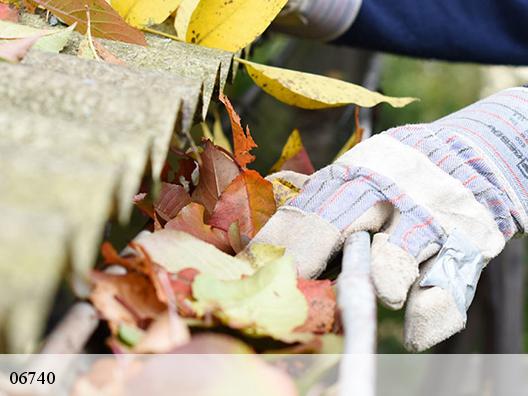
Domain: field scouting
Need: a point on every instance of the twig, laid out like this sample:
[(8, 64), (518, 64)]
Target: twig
[(72, 333), (160, 33)]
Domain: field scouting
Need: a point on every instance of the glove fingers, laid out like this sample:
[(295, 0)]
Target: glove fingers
[(411, 238), (431, 315), (393, 271)]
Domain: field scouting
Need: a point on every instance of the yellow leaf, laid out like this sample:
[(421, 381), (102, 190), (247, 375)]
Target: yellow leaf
[(294, 156), (310, 91), (217, 136), (206, 131), (290, 149), (220, 139), (284, 191), (183, 17), (231, 25), (141, 13)]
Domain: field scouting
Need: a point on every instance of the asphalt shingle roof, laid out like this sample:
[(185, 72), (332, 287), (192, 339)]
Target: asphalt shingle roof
[(75, 139)]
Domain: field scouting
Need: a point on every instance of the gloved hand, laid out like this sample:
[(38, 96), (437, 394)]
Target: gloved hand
[(446, 195), (322, 20)]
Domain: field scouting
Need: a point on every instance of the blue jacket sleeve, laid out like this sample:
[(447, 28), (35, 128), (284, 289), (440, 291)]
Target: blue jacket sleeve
[(484, 31)]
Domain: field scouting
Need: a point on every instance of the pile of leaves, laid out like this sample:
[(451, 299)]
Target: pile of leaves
[(192, 282), (193, 270)]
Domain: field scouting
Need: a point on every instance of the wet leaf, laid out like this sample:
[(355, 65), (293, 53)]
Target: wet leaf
[(294, 156), (176, 250), (248, 200), (310, 91), (141, 13), (243, 142), (231, 25), (125, 299), (191, 220), (105, 21), (321, 299), (217, 171), (266, 303)]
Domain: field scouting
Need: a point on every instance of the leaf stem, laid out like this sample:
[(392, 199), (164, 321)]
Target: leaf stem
[(89, 33), (160, 33)]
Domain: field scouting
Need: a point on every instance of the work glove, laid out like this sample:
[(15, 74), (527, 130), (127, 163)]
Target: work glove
[(322, 20), (441, 200)]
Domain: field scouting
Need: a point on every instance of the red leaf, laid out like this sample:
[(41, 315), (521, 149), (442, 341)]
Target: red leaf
[(243, 142), (191, 220), (8, 13), (294, 156), (186, 167), (15, 50), (321, 299), (181, 284), (171, 200), (105, 21), (139, 262), (217, 171), (299, 163), (248, 200)]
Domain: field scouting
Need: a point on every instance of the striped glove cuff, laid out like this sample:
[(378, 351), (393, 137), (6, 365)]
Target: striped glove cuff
[(497, 127)]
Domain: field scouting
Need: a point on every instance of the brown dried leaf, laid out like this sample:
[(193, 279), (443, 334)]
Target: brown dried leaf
[(243, 142), (217, 171), (129, 299), (106, 55), (105, 21)]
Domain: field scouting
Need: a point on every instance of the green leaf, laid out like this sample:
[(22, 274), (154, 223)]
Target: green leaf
[(129, 335), (52, 40), (266, 303)]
